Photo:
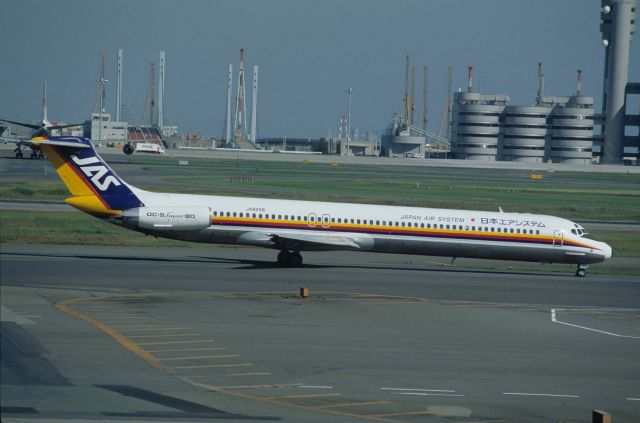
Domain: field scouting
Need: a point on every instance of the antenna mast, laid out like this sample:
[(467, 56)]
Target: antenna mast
[(254, 105), (150, 104), (579, 83), (241, 118), (161, 93), (228, 121), (119, 86), (100, 96)]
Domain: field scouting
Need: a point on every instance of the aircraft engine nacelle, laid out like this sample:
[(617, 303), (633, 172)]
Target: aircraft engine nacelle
[(169, 218)]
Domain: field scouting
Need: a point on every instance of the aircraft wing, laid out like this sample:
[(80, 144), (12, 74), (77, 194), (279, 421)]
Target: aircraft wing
[(297, 241), (14, 140), (68, 144), (36, 143)]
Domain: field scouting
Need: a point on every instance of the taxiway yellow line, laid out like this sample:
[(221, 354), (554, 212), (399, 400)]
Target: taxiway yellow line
[(266, 385), (171, 335), (354, 404), (156, 329), (214, 366), (121, 317), (65, 306), (399, 414), (303, 396), (251, 374), (248, 396), (193, 341), (157, 326), (199, 357), (185, 349)]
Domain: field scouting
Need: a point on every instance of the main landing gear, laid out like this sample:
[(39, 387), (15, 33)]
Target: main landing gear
[(289, 258), (35, 153), (581, 271)]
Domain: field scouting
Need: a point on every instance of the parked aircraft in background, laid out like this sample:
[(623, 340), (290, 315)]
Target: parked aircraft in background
[(42, 130)]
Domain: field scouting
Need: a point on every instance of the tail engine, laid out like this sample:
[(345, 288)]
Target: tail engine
[(168, 218)]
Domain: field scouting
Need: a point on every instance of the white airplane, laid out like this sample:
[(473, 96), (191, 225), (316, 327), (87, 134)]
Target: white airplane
[(295, 226)]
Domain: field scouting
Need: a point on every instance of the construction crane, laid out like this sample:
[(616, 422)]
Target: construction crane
[(444, 122), (423, 105)]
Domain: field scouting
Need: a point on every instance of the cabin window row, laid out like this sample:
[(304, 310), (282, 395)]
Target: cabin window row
[(318, 219)]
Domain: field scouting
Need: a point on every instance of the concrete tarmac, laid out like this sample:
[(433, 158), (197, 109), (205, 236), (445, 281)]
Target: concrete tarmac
[(206, 334)]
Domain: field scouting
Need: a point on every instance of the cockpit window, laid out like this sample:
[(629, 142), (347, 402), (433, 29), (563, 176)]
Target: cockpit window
[(580, 231)]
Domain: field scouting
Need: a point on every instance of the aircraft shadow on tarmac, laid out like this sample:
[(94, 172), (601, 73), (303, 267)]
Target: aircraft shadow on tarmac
[(247, 264), (259, 265), (186, 409)]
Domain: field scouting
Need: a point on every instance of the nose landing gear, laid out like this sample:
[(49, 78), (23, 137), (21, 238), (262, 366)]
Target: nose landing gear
[(581, 271), (289, 258)]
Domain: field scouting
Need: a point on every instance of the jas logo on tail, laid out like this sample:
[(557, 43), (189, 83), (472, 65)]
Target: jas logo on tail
[(96, 173)]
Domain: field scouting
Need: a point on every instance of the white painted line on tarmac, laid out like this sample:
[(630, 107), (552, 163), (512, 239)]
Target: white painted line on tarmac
[(430, 394), (315, 387), (633, 399), (417, 390), (555, 320), (541, 395)]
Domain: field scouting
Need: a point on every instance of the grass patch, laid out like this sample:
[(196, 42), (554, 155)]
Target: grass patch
[(573, 195), (624, 243), (33, 190)]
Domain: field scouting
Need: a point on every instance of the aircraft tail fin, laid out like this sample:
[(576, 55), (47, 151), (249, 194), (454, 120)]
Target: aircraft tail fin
[(94, 186)]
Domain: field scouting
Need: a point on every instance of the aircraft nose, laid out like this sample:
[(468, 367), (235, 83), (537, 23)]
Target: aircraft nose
[(607, 251)]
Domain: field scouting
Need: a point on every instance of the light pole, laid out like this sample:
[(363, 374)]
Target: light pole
[(102, 93)]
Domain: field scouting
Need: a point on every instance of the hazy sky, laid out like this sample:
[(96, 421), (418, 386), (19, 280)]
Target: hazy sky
[(308, 51)]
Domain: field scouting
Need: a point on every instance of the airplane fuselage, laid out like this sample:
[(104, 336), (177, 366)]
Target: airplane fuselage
[(376, 228)]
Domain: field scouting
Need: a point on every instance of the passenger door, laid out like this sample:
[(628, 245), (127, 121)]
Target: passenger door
[(558, 238)]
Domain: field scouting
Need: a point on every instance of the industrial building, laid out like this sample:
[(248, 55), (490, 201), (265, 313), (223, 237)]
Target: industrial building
[(475, 125), (102, 128), (401, 141), (403, 138), (111, 130), (555, 129)]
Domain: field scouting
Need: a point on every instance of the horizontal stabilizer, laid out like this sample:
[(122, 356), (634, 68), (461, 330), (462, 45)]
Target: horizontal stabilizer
[(26, 125), (63, 144)]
